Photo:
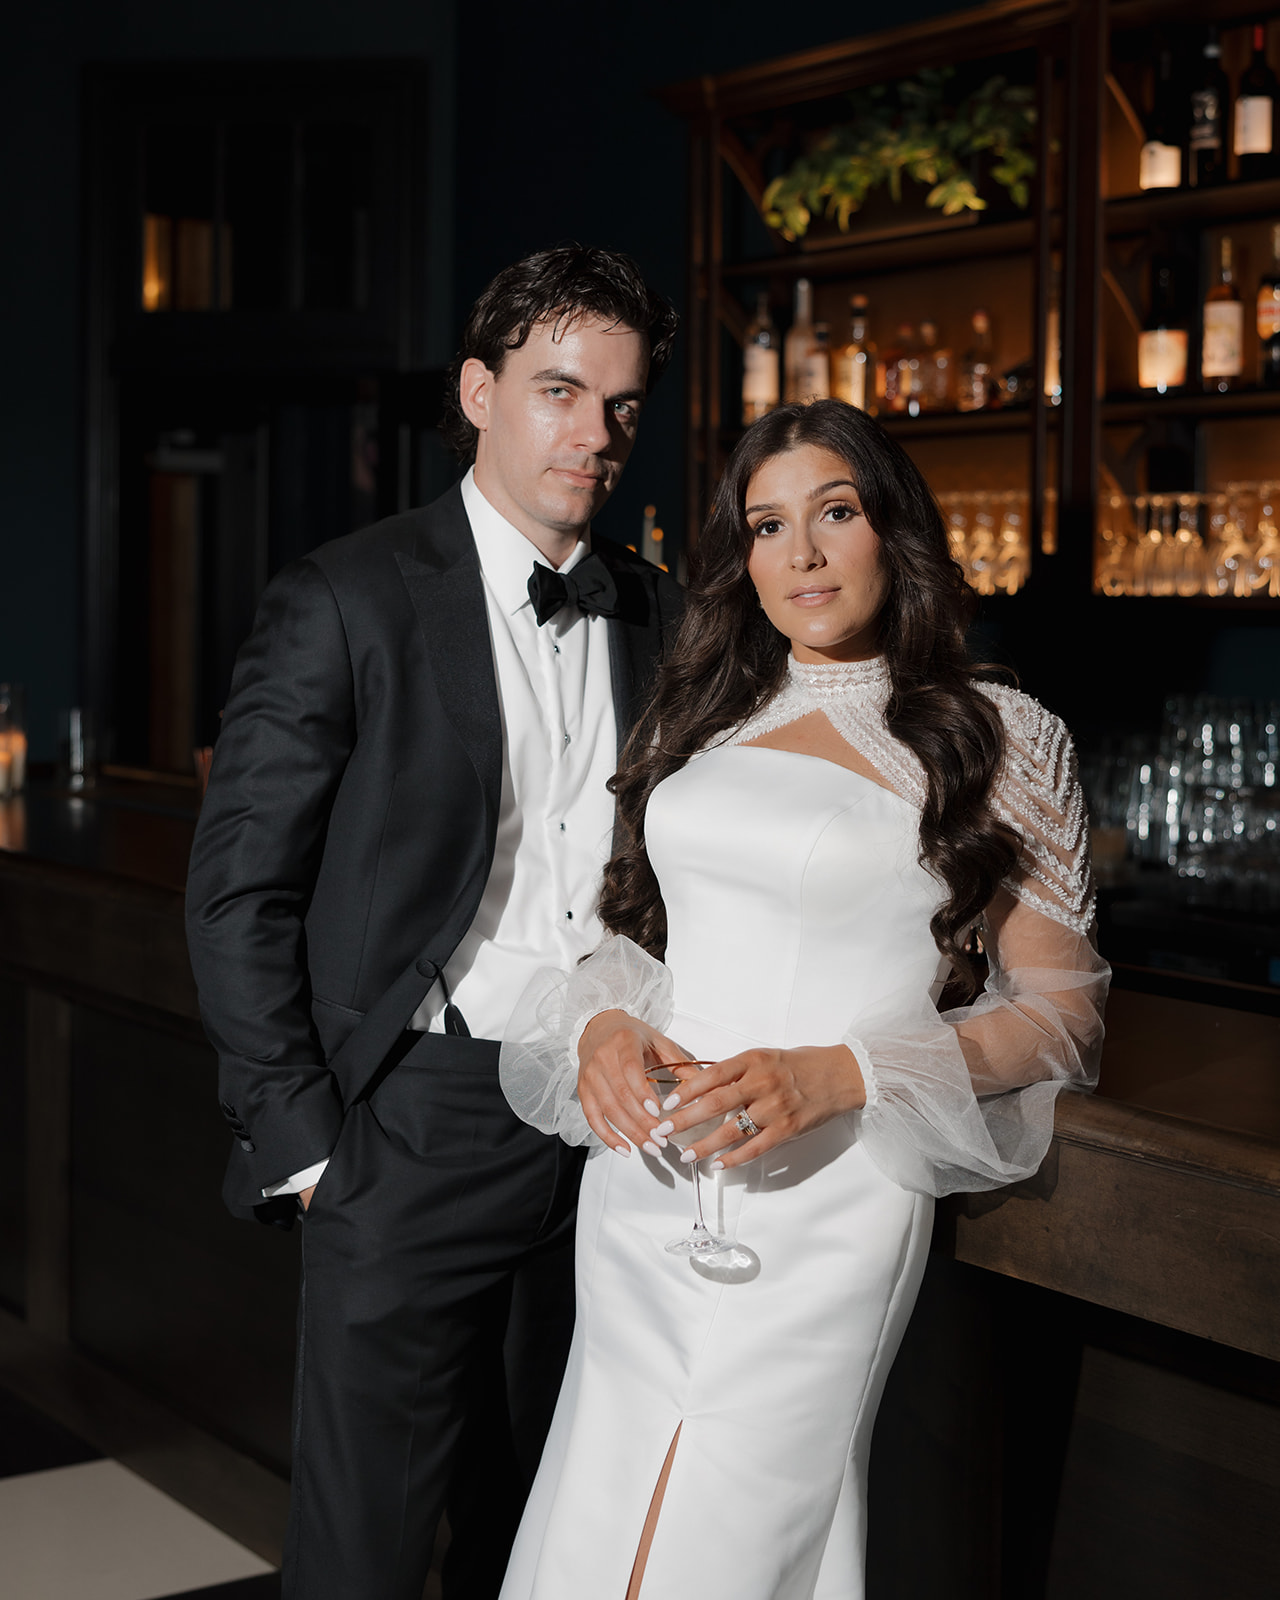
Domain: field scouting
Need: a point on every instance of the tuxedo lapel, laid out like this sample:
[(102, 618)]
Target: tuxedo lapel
[(635, 636), (442, 575)]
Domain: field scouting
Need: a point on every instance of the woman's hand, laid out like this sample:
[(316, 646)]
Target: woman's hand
[(784, 1092), (614, 1053)]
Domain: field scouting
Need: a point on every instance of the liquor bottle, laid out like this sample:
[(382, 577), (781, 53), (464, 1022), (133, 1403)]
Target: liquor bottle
[(900, 369), (761, 361), (799, 341), (976, 388), (1207, 140), (1269, 318), (1222, 343), (816, 383), (936, 370), (1162, 344), (1160, 161), (1255, 120), (853, 367)]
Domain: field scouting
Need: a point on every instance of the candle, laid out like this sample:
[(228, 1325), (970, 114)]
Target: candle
[(17, 743)]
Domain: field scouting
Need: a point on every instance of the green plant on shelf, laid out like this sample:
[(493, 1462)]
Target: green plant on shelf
[(908, 129)]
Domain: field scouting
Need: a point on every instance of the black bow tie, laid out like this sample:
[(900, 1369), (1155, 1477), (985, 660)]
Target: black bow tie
[(589, 586)]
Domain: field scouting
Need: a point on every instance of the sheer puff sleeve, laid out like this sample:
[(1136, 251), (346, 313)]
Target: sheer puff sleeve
[(538, 1066), (964, 1100)]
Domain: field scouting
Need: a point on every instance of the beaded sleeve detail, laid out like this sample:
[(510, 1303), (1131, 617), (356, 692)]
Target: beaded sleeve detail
[(1037, 790)]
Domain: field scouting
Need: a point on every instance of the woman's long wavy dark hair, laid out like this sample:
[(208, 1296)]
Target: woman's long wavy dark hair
[(728, 660)]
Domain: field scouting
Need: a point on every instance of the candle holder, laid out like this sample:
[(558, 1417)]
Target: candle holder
[(13, 740)]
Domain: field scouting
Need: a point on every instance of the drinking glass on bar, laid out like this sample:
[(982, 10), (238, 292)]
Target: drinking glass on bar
[(13, 740)]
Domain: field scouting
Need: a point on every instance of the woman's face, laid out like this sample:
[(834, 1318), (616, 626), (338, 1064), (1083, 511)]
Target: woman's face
[(815, 559)]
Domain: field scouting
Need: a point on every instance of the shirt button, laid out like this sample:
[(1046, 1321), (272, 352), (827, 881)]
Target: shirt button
[(566, 738), (568, 916), (562, 827), (556, 648)]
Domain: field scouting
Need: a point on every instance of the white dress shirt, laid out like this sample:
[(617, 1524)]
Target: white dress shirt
[(555, 821)]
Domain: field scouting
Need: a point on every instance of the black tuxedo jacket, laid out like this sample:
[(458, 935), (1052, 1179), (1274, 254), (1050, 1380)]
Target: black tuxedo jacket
[(349, 826)]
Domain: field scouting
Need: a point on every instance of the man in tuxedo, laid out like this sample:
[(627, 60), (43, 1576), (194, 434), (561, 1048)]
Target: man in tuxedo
[(406, 818)]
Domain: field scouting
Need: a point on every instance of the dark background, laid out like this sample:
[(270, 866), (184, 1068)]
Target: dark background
[(542, 127)]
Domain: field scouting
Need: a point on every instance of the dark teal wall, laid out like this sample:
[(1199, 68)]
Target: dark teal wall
[(543, 129), (40, 282)]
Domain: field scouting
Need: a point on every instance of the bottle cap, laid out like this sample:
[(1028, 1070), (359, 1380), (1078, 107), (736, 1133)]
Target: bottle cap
[(981, 321), (858, 302)]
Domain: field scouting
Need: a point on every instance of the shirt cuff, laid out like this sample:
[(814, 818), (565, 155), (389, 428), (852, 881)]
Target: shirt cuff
[(298, 1182)]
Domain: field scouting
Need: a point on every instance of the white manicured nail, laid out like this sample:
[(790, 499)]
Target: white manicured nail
[(623, 1149), (717, 1166), (671, 1102), (656, 1135), (687, 1156), (651, 1149), (651, 1106), (664, 1128)]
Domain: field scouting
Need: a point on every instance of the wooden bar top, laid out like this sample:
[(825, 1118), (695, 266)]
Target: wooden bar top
[(1160, 1196)]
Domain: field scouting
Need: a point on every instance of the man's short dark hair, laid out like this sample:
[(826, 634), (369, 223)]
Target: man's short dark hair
[(560, 285)]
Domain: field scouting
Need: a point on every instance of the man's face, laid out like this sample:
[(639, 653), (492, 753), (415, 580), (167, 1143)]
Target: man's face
[(557, 425)]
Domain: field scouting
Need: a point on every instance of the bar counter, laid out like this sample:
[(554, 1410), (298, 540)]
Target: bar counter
[(1150, 1237)]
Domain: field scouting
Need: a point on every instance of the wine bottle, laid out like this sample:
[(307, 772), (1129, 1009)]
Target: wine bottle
[(1269, 318), (853, 367), (1222, 342), (1255, 119), (1207, 141), (761, 360), (799, 342), (935, 370), (975, 390), (1160, 161), (1162, 344)]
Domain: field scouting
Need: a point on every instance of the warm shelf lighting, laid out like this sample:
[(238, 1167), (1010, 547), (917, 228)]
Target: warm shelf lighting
[(157, 259)]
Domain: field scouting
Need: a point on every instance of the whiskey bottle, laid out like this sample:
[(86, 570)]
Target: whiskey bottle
[(935, 370), (1162, 344), (900, 368), (975, 390), (1222, 333), (1160, 160), (1207, 141), (1255, 118), (799, 342), (1269, 318), (816, 383), (853, 367), (761, 363)]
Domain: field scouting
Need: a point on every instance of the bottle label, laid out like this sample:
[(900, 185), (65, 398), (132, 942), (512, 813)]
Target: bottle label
[(1159, 166), (1223, 349), (759, 376), (1162, 358), (1268, 311), (849, 378), (1206, 123), (814, 376), (1253, 125)]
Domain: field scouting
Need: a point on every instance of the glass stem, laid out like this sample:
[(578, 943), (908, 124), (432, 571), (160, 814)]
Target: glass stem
[(697, 1200)]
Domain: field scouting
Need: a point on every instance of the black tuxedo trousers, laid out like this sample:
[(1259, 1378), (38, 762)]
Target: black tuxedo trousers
[(437, 1307)]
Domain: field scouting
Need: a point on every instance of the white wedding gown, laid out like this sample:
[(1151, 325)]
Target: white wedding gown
[(798, 913)]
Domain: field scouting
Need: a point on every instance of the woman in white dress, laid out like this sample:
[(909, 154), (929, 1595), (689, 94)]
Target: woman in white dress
[(827, 815)]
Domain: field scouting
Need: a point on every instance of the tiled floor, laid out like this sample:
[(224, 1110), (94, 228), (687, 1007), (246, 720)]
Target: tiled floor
[(77, 1526)]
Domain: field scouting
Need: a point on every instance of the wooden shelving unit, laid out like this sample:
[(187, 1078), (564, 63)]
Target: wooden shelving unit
[(1085, 240)]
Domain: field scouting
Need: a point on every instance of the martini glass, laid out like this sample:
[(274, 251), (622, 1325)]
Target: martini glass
[(699, 1242)]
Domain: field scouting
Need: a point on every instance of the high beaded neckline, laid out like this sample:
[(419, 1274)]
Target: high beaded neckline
[(838, 677)]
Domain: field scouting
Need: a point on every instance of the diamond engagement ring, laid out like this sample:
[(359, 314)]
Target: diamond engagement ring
[(749, 1129)]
